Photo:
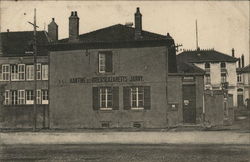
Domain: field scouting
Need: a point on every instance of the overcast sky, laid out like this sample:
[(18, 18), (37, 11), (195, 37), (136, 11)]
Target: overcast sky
[(221, 25)]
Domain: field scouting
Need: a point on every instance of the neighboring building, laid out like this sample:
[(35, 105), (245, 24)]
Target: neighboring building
[(243, 85), (17, 79), (220, 69)]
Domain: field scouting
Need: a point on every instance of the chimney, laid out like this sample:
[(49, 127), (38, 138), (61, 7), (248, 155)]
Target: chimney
[(138, 24), (232, 52), (73, 27), (242, 61), (239, 62), (53, 31)]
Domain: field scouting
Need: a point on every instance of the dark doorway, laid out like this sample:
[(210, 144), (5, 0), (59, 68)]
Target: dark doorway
[(189, 104), (240, 99)]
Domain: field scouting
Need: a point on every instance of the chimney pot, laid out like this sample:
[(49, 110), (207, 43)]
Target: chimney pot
[(72, 13), (8, 30), (53, 19), (232, 52), (242, 61), (75, 13)]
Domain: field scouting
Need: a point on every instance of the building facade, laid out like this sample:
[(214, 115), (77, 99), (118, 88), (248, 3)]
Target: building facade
[(17, 80), (243, 85), (220, 69)]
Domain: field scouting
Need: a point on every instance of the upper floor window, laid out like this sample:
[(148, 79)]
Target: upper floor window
[(6, 72), (105, 62), (21, 71), (239, 78), (38, 71), (14, 100), (45, 72), (14, 72), (7, 97), (207, 65), (45, 96), (30, 72), (223, 65), (29, 96), (21, 97), (223, 78)]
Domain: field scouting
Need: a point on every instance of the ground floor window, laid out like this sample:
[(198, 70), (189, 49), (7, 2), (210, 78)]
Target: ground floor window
[(105, 98), (136, 97)]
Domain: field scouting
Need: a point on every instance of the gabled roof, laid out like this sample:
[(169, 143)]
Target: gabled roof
[(245, 69), (117, 33), (16, 43), (205, 56)]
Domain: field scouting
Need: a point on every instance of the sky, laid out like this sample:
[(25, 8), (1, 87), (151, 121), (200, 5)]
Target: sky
[(222, 25)]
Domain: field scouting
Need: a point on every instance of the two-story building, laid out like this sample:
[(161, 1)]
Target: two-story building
[(220, 69), (119, 77), (17, 79)]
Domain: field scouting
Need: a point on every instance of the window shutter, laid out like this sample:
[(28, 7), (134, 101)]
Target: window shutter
[(115, 98), (96, 98), (108, 62), (126, 98), (147, 98)]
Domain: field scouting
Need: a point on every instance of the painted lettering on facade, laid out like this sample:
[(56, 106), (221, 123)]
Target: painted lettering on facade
[(106, 79)]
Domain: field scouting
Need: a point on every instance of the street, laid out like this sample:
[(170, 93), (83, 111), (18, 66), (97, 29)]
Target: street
[(126, 153)]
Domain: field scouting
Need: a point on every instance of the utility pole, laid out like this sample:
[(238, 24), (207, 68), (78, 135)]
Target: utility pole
[(35, 69)]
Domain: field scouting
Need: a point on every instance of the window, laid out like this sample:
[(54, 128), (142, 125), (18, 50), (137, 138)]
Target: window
[(136, 97), (21, 97), (105, 98), (14, 72), (105, 62), (207, 79), (21, 71), (38, 71), (6, 72), (7, 97), (45, 72), (239, 79), (45, 97), (14, 97), (223, 65), (207, 65), (29, 97), (29, 72), (223, 78), (38, 96)]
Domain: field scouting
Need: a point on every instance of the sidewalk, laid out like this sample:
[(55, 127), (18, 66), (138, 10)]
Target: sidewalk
[(193, 137)]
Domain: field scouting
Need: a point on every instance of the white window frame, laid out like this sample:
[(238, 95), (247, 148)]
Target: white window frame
[(38, 71), (21, 97), (38, 96), (45, 96), (102, 61), (14, 97), (21, 71), (45, 72), (136, 91), (207, 79), (14, 76), (29, 97), (5, 72), (223, 78), (104, 93), (7, 97), (29, 72)]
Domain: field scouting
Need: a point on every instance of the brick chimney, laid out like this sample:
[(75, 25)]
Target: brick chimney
[(242, 61), (239, 62), (138, 24), (53, 31), (73, 27), (232, 52)]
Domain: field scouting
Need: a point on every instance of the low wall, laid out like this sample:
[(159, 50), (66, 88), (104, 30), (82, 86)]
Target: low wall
[(22, 116)]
